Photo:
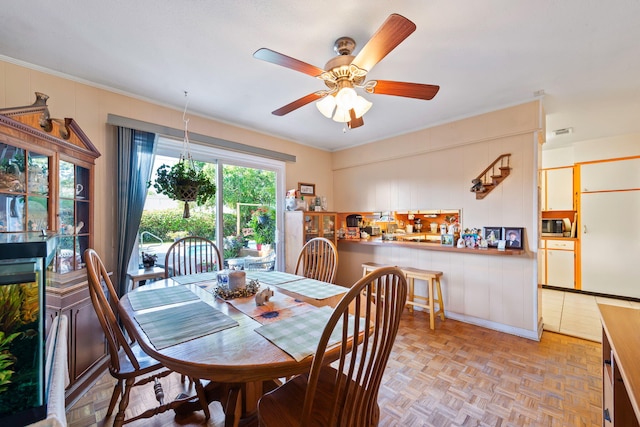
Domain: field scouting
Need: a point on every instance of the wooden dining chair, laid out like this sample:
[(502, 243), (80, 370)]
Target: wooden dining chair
[(128, 363), (345, 392), (191, 255), (318, 259)]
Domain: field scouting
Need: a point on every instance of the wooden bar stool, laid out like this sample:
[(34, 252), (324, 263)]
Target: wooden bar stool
[(430, 277), (368, 267)]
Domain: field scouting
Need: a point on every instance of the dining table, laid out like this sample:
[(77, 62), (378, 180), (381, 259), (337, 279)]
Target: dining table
[(186, 323)]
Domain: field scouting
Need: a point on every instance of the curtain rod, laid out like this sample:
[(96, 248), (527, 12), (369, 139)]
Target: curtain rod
[(115, 120)]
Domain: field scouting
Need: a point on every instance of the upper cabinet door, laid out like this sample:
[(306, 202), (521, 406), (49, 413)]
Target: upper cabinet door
[(559, 189), (613, 175)]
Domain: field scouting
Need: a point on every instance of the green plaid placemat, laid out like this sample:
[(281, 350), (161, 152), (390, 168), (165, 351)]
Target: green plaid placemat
[(313, 288), (163, 296), (299, 335), (272, 277), (175, 325), (195, 278)]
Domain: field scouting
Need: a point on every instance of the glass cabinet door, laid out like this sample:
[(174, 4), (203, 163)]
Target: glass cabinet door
[(329, 226), (73, 217), (24, 190), (311, 226)]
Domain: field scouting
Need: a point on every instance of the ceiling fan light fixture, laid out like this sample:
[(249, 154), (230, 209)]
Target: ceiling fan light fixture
[(346, 98), (326, 106), (341, 115), (361, 106)]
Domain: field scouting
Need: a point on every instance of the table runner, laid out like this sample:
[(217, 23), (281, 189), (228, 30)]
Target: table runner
[(143, 299), (312, 288), (175, 325), (194, 278), (279, 307), (299, 335)]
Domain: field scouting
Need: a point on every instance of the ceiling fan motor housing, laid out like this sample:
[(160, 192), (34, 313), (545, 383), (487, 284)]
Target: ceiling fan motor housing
[(344, 46)]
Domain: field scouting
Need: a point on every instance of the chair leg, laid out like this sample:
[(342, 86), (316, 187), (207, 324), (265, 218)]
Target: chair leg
[(432, 315), (440, 300), (117, 392), (411, 294), (233, 407), (124, 402), (202, 397)]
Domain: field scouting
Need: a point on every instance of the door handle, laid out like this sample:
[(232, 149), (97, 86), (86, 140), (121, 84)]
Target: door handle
[(585, 229)]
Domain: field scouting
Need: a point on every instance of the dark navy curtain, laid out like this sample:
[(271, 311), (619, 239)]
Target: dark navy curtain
[(135, 161)]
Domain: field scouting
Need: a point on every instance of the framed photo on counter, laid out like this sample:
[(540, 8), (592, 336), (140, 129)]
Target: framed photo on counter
[(446, 239), (513, 237), (492, 235), (306, 189)]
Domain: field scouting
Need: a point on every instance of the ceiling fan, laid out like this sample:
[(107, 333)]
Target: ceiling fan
[(345, 72)]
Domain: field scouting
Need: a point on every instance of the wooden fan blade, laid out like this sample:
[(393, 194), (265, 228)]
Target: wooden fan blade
[(301, 102), (408, 90), (354, 122), (286, 61), (392, 32)]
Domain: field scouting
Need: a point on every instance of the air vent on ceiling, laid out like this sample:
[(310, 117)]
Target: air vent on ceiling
[(564, 131)]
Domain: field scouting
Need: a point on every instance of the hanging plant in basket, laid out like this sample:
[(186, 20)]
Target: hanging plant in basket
[(185, 183)]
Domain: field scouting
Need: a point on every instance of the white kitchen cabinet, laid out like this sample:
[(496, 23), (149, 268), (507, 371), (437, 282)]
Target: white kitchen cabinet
[(610, 242), (557, 189), (610, 175), (560, 263)]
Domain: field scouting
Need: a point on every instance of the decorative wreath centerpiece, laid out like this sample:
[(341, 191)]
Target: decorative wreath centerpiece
[(250, 290)]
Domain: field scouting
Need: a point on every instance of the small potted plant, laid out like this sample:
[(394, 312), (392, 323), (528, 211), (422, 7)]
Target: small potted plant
[(232, 246), (184, 182), (149, 260), (263, 223)]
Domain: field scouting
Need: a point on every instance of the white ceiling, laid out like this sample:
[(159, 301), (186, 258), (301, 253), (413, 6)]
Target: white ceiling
[(485, 55)]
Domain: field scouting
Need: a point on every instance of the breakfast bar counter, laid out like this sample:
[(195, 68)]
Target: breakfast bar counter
[(427, 246)]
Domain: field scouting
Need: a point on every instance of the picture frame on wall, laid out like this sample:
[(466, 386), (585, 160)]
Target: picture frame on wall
[(492, 235), (513, 237), (306, 189)]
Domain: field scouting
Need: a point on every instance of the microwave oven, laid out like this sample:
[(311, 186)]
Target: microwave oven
[(552, 227)]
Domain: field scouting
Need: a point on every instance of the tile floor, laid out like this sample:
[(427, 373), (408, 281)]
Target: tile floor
[(576, 314)]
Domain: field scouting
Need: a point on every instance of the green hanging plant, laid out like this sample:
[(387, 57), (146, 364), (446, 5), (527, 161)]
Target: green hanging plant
[(185, 183)]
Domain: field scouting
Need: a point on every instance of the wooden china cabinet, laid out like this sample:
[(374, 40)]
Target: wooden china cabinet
[(46, 186)]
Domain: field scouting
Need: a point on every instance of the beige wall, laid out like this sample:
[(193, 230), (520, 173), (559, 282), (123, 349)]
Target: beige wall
[(89, 106), (433, 169)]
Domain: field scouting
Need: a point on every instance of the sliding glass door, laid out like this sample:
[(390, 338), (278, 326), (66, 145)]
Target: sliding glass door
[(249, 197)]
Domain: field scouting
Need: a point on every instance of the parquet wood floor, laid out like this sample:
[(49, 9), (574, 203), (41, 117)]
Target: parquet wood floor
[(457, 375)]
